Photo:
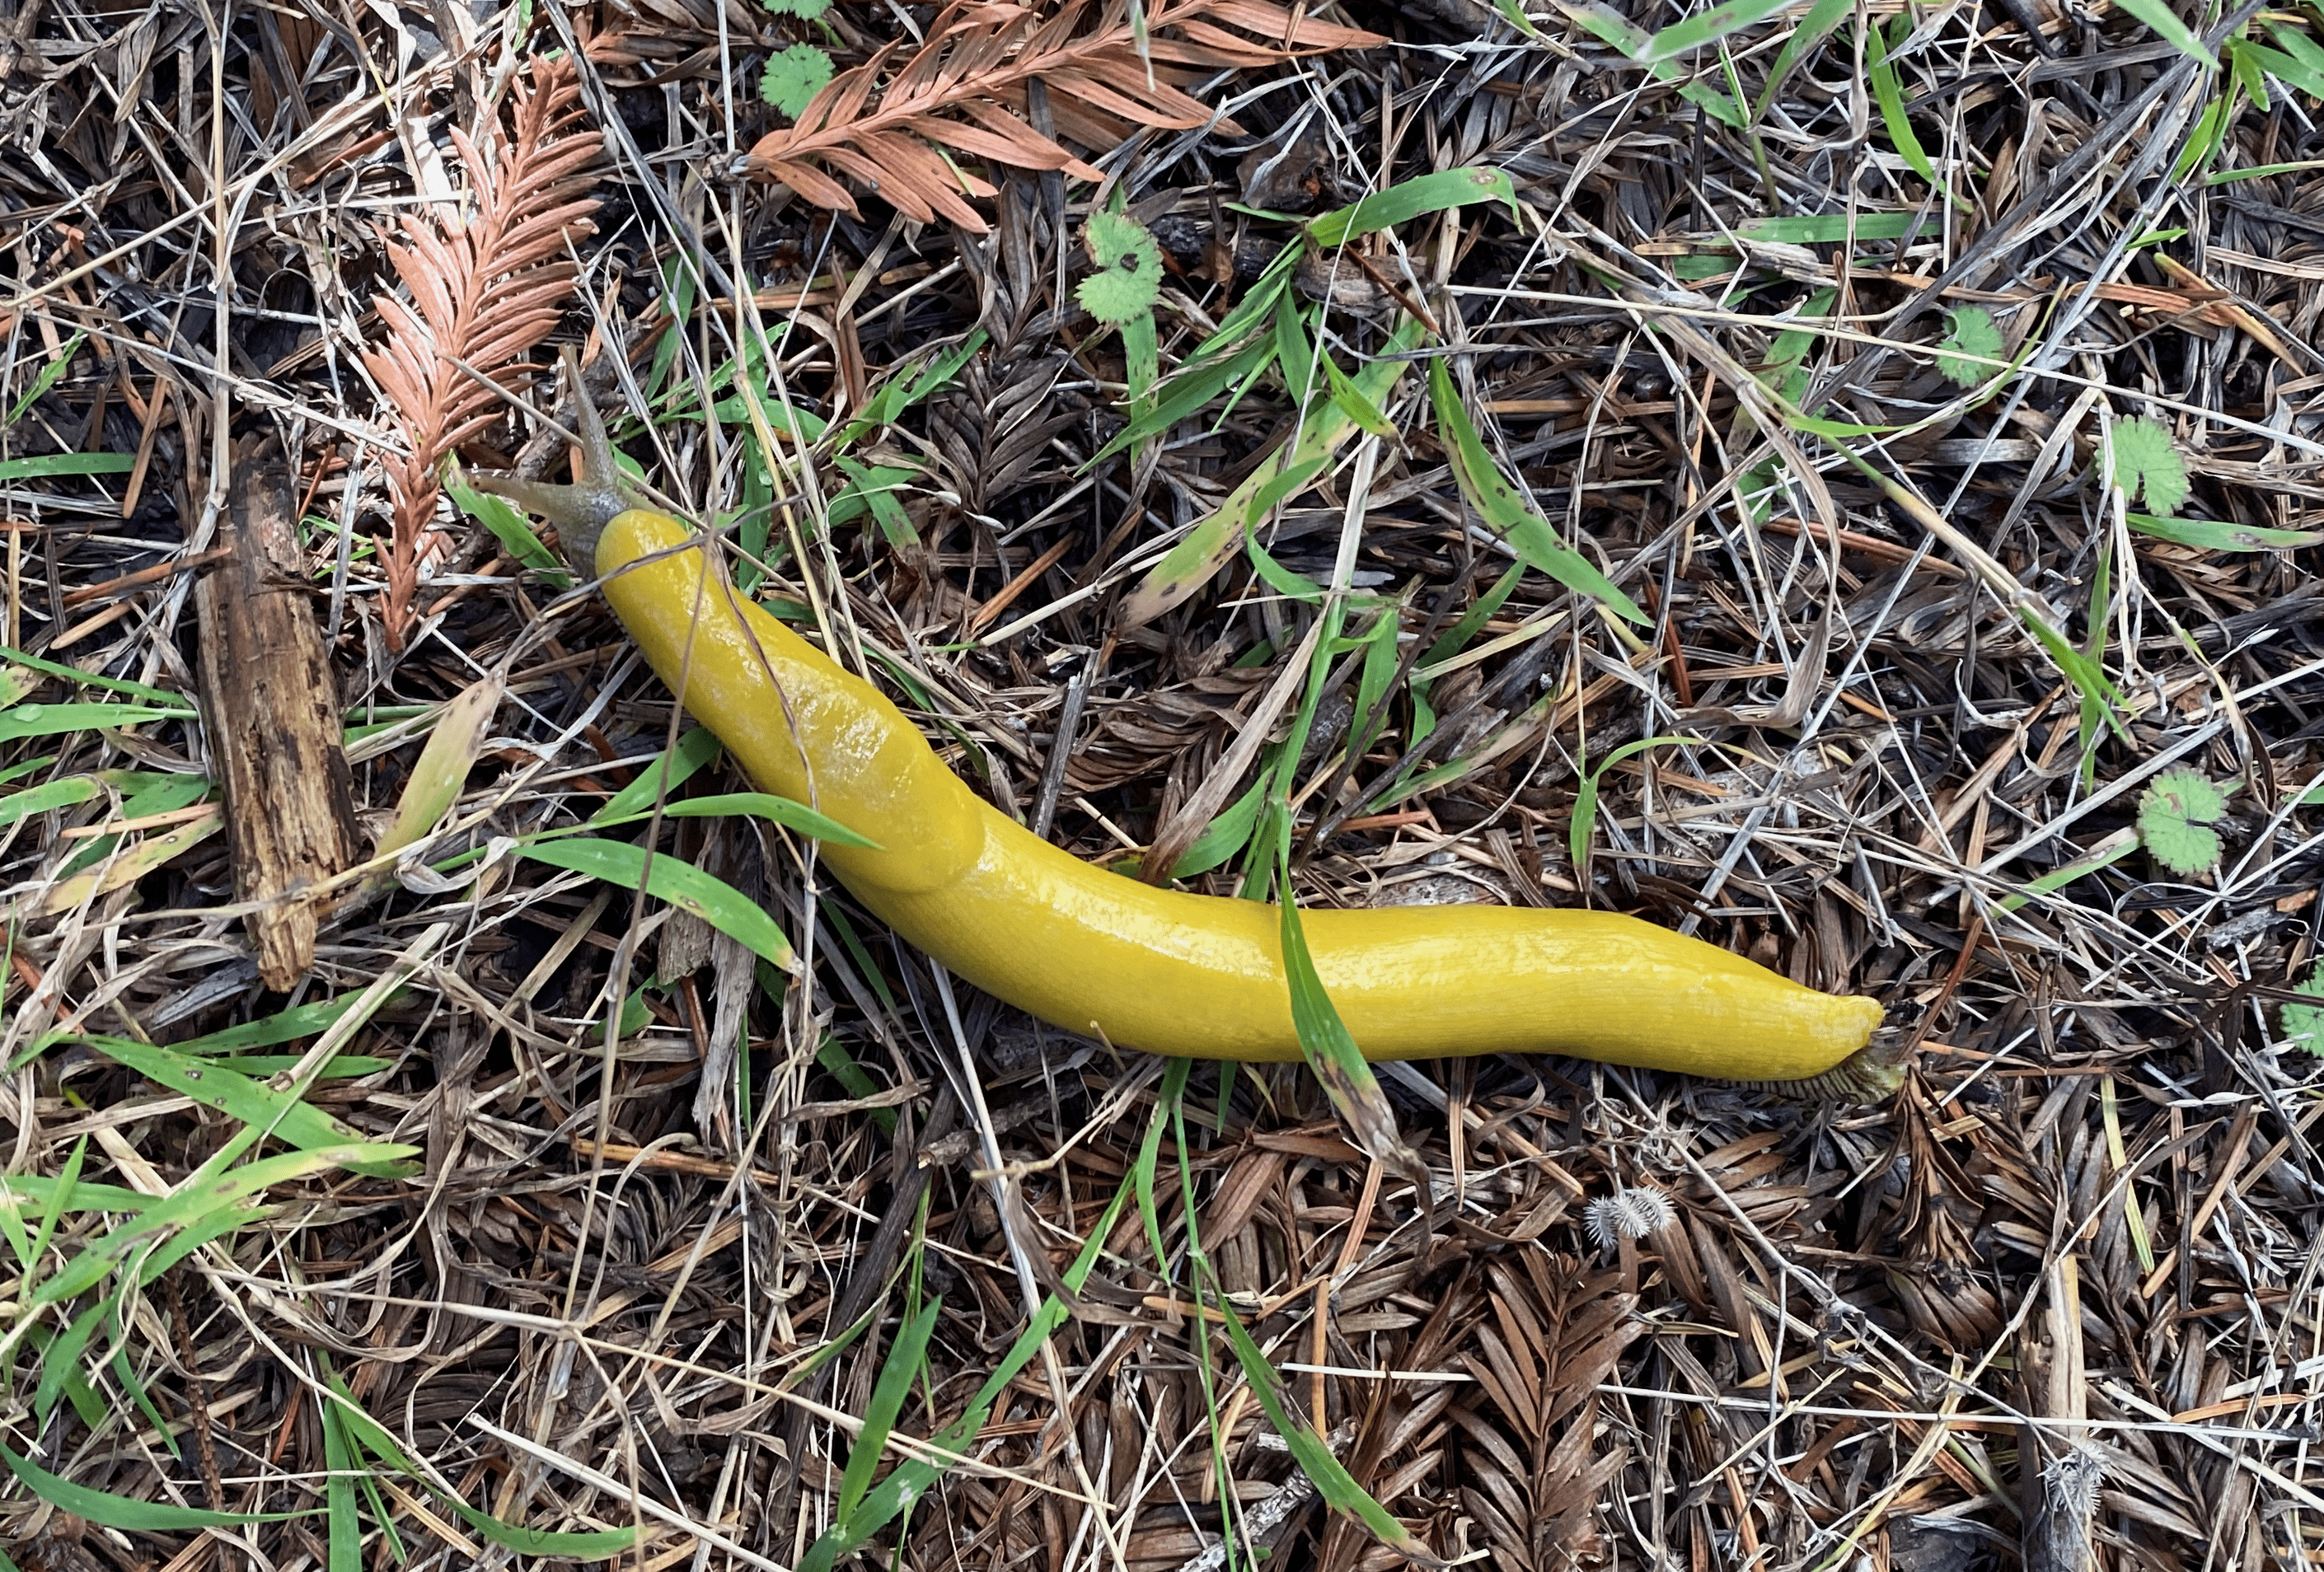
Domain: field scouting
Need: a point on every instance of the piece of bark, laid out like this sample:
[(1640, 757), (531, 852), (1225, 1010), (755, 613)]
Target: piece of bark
[(271, 716), (2059, 1469)]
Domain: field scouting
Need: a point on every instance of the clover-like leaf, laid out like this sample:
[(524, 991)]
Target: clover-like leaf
[(2303, 1024), (2146, 462), (2175, 817), (1972, 333), (794, 78), (1128, 274)]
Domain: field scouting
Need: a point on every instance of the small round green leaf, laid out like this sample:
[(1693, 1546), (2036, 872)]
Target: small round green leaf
[(1128, 268), (1972, 333), (2303, 1024), (794, 78), (2147, 462), (2174, 819)]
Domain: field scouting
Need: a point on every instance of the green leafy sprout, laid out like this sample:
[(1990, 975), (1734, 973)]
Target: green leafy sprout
[(1971, 333), (2147, 462), (2303, 1024), (1128, 279), (794, 77), (2175, 816)]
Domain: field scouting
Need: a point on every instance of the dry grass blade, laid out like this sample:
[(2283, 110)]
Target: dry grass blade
[(977, 62), (485, 288)]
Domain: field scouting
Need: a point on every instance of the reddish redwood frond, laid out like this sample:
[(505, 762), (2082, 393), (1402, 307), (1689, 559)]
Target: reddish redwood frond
[(975, 66), (485, 290)]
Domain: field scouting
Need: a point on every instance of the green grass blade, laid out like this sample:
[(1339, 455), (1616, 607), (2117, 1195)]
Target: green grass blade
[(369, 1435), (2298, 63), (677, 881), (41, 799), (897, 1374), (666, 773), (51, 720), (841, 1066), (2167, 27), (2205, 138), (1505, 511), (1707, 27), (78, 1197), (2088, 676), (1585, 824), (872, 489), (677, 296), (1455, 638), (1823, 18), (1141, 356), (588, 1545), (54, 464), (1409, 199), (1282, 580), (913, 1478), (2215, 534), (254, 1102), (1830, 228), (1212, 542), (47, 379), (1223, 836), (1144, 1171), (899, 392), (512, 529), (60, 1198), (781, 811), (60, 1360), (1889, 92), (283, 1026), (90, 679), (1194, 385), (109, 1510), (11, 1225), (1295, 350), (1330, 1049), (1354, 404), (339, 1494), (203, 1197), (1614, 29), (2121, 843), (1332, 1479), (1255, 309)]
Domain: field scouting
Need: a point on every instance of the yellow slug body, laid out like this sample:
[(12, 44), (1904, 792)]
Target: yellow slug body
[(1199, 976)]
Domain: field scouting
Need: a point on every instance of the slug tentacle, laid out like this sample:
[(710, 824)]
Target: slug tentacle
[(582, 510)]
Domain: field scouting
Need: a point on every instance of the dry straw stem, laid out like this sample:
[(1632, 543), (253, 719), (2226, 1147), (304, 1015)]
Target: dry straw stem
[(486, 288), (965, 88)]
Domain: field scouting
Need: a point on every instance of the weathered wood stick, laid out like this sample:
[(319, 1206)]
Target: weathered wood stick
[(271, 713)]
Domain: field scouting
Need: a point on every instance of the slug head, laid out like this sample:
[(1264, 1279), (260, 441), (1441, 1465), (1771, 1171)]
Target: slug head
[(598, 496)]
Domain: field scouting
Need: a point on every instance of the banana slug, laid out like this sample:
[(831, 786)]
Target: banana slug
[(1094, 953)]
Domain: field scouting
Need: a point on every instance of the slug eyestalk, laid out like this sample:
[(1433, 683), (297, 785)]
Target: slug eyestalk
[(596, 498)]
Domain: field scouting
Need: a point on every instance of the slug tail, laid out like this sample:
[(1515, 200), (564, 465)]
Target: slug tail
[(597, 497), (1872, 1074)]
